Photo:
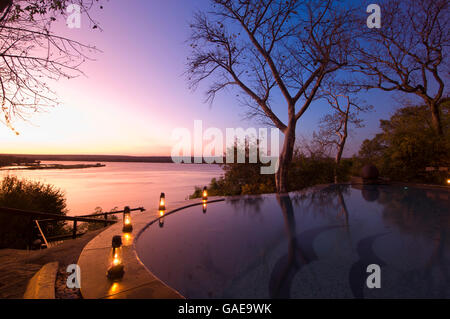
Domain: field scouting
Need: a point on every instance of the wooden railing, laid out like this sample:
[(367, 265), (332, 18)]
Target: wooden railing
[(36, 218)]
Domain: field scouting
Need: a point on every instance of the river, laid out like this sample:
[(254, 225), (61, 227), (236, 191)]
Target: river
[(122, 184)]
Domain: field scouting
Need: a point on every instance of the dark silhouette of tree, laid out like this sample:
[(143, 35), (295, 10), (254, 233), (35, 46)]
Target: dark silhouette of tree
[(31, 54), (270, 47), (334, 128), (409, 53)]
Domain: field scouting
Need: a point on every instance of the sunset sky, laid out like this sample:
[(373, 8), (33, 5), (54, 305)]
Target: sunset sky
[(135, 93)]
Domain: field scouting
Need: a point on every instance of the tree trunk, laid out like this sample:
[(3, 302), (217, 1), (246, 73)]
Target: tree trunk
[(436, 118), (337, 160), (339, 154), (281, 177)]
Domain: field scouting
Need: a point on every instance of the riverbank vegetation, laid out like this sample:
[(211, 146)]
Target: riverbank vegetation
[(407, 149), (304, 171)]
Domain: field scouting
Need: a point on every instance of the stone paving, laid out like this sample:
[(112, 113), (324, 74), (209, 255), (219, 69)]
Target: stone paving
[(17, 267)]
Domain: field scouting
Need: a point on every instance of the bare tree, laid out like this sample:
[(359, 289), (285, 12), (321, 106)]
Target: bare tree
[(266, 48), (409, 53), (334, 128), (31, 54)]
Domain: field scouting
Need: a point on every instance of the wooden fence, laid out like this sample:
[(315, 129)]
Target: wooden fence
[(36, 218)]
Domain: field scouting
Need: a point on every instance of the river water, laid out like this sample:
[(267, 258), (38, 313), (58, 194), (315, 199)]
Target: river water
[(122, 184)]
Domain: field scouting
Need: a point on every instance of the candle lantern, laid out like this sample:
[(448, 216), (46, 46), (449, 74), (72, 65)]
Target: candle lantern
[(162, 202), (127, 226), (116, 269), (204, 194)]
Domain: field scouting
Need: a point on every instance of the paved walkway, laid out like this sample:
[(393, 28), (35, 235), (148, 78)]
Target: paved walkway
[(18, 266)]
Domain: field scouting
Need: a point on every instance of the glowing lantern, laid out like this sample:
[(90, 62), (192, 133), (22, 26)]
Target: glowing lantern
[(162, 202), (127, 226), (204, 194), (448, 181), (116, 270)]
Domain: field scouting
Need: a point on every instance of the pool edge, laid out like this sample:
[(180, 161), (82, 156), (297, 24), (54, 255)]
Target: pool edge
[(138, 282)]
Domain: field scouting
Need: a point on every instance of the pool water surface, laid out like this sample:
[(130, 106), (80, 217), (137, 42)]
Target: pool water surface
[(336, 242)]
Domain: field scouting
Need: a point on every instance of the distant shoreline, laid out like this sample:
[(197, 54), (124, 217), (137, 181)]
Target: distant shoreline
[(49, 166), (96, 158)]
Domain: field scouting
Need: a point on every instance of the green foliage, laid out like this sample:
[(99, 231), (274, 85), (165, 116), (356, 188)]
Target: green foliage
[(408, 144), (305, 171), (28, 195), (239, 179)]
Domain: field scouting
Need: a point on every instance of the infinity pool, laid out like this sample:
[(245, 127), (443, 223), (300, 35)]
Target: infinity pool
[(315, 244)]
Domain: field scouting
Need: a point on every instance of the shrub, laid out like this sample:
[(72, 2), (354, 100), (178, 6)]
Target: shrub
[(28, 195), (95, 226)]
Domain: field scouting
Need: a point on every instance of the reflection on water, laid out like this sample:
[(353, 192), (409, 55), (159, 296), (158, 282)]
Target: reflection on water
[(312, 245), (123, 184)]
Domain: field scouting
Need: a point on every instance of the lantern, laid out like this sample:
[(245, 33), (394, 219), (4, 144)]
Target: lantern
[(448, 181), (204, 194), (127, 226), (162, 202), (116, 269)]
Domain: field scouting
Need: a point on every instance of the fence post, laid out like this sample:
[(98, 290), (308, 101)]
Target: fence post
[(74, 235)]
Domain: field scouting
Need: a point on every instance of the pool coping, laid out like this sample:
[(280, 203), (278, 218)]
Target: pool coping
[(138, 282)]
